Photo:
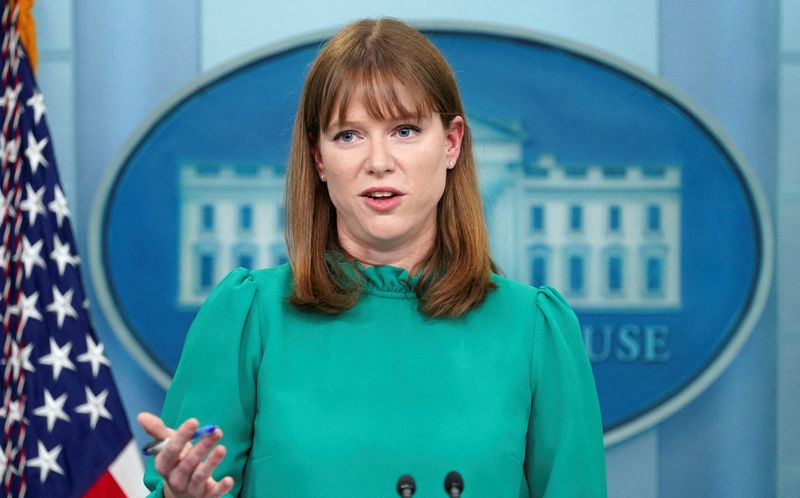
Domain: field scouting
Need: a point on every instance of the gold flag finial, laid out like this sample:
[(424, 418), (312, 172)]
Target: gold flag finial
[(27, 30)]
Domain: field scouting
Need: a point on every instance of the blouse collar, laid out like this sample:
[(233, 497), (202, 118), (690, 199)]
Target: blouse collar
[(385, 280)]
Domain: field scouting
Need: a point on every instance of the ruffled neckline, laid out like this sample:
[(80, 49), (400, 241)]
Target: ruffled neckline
[(383, 280), (386, 280)]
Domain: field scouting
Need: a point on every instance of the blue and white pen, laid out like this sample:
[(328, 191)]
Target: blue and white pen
[(154, 447)]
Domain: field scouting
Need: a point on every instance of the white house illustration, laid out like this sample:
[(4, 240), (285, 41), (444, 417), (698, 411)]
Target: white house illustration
[(607, 236), (230, 216)]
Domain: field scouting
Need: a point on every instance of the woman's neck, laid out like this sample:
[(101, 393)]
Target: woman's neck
[(406, 256)]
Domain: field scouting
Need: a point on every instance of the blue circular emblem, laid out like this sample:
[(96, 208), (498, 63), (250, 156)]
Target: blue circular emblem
[(596, 178)]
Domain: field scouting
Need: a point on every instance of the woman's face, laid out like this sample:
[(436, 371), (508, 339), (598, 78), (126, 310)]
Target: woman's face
[(385, 178)]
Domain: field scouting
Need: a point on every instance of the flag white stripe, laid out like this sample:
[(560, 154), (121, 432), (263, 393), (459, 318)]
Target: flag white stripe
[(128, 471)]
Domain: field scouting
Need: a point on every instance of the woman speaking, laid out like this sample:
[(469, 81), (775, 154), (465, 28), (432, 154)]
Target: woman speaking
[(388, 345)]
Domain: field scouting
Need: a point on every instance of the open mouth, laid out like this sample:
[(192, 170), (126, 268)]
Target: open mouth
[(382, 199), (381, 195)]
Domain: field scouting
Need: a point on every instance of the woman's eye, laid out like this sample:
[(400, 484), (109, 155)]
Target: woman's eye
[(406, 131), (345, 136)]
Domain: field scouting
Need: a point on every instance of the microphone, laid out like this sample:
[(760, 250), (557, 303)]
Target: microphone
[(406, 486), (454, 484)]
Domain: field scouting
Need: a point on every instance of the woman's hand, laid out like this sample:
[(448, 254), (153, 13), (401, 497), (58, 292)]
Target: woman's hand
[(181, 464)]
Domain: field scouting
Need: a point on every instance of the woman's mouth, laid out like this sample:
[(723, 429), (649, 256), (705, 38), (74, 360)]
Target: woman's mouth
[(382, 199)]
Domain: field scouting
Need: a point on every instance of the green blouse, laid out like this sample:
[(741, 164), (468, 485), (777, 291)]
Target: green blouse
[(314, 405)]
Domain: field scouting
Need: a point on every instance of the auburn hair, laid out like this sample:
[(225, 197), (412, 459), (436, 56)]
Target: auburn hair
[(368, 60)]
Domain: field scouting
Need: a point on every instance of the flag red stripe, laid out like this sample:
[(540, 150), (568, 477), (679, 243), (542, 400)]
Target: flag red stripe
[(105, 487)]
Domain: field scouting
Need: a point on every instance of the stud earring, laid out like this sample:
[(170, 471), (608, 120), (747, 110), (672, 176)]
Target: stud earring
[(322, 176), (450, 164)]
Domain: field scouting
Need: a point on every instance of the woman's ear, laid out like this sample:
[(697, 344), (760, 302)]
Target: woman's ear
[(318, 161), (455, 134)]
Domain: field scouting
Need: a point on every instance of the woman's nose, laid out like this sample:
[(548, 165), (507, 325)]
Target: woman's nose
[(379, 160)]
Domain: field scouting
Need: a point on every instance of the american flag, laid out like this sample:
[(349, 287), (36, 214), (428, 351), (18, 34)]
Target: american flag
[(65, 432)]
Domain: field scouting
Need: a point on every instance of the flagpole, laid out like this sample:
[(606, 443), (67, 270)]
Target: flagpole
[(65, 431)]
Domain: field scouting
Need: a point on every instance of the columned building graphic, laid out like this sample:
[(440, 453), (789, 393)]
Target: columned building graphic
[(230, 216), (606, 235)]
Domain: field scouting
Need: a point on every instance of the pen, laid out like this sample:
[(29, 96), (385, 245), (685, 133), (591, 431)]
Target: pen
[(154, 447)]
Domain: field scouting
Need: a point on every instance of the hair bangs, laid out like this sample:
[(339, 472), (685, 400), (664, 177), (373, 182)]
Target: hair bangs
[(384, 94)]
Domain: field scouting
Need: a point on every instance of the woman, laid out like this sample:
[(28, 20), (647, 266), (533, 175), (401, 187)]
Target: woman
[(388, 346)]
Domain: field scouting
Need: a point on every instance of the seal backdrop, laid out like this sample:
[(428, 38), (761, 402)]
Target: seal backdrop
[(597, 179)]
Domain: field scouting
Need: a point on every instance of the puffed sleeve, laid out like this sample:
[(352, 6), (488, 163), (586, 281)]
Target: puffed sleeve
[(565, 456), (216, 377)]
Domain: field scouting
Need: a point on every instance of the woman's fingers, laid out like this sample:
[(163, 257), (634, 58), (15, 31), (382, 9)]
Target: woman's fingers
[(168, 458), (200, 482), (153, 425), (183, 475), (181, 463), (220, 488)]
